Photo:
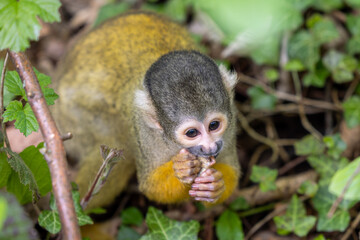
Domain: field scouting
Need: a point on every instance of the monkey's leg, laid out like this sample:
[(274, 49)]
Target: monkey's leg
[(114, 184)]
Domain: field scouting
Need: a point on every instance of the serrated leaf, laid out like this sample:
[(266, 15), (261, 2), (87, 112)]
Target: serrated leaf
[(14, 85), (49, 93), (326, 166), (50, 220), (352, 111), (24, 116), (308, 188), (19, 23), (303, 47), (161, 227), (5, 170), (239, 204), (265, 176), (309, 145), (132, 216), (327, 5), (340, 179), (48, 9), (17, 225), (324, 31), (260, 99), (295, 219), (127, 233), (229, 226), (336, 146), (21, 175)]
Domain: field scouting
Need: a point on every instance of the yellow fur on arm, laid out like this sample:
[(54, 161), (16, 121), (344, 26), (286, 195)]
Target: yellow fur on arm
[(162, 185), (230, 177)]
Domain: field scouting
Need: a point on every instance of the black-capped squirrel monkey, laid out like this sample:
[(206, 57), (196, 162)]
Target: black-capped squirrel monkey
[(136, 83)]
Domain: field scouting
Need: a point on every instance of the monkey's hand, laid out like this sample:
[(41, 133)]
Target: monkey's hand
[(186, 166), (208, 187)]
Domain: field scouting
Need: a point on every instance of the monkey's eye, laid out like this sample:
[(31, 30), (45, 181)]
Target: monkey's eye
[(214, 125), (191, 133)]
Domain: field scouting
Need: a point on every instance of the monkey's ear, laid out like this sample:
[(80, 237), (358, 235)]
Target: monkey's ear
[(230, 79), (146, 109)]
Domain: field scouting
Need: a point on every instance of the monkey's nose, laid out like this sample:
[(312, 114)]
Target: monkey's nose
[(212, 150)]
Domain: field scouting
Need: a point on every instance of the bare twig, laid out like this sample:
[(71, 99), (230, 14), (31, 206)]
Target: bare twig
[(3, 128), (352, 228), (289, 97), (66, 136), (341, 197), (291, 165), (352, 87), (55, 154)]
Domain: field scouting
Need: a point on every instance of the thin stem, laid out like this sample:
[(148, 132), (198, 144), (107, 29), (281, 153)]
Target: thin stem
[(3, 128)]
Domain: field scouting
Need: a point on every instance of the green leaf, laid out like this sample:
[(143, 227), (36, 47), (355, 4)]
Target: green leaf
[(353, 3), (338, 222), (132, 216), (48, 10), (5, 170), (340, 179), (24, 117), (21, 175), (110, 10), (326, 166), (301, 5), (229, 226), (267, 52), (327, 5), (324, 199), (353, 45), (309, 145), (353, 24), (239, 204), (260, 99), (295, 219), (303, 47), (316, 78), (308, 188), (272, 74), (83, 219), (341, 66), (336, 146), (17, 224), (49, 93), (324, 31), (320, 237), (50, 220), (14, 85), (127, 233), (19, 23), (352, 111), (161, 227), (294, 65), (3, 211), (265, 176), (176, 9)]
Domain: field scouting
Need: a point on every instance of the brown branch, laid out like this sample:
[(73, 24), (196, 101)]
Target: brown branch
[(55, 153), (352, 228), (341, 197), (3, 128), (289, 97)]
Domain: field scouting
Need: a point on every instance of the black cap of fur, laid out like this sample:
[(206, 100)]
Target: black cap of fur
[(185, 84)]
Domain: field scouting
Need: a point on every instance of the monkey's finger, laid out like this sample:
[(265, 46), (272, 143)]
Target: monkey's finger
[(181, 173), (187, 155), (187, 180), (206, 194), (186, 164), (214, 186), (214, 177)]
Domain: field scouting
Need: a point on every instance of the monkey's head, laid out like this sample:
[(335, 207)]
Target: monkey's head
[(188, 97)]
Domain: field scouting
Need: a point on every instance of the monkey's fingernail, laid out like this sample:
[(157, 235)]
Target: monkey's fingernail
[(192, 193), (195, 186)]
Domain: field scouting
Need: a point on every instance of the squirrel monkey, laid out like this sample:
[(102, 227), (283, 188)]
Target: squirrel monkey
[(136, 83)]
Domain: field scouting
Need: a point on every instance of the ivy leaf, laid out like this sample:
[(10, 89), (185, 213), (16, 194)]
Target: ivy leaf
[(260, 99), (303, 47), (161, 227), (127, 233), (239, 204), (294, 65), (14, 85), (352, 111), (83, 219), (336, 146), (324, 31), (327, 5), (316, 78), (338, 222), (229, 226), (19, 23), (309, 145), (272, 74), (21, 175), (265, 176), (308, 188), (132, 216), (24, 116), (353, 24), (340, 179), (326, 166), (16, 225), (341, 66), (353, 45), (50, 220), (295, 219), (301, 5)]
